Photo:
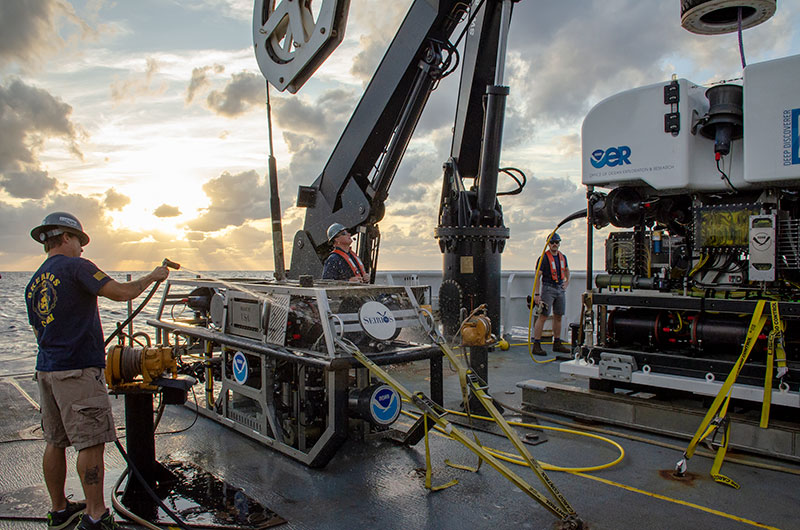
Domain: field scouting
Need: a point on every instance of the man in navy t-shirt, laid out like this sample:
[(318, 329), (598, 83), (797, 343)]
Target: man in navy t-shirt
[(61, 299)]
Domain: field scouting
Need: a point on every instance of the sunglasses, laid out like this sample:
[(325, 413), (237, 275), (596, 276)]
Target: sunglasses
[(555, 243)]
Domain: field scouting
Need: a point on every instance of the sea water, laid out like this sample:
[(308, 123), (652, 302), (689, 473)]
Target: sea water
[(17, 343)]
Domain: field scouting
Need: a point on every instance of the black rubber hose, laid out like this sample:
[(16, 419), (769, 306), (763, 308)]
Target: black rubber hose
[(149, 490), (120, 327), (577, 215)]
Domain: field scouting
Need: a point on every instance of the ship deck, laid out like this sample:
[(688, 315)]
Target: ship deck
[(379, 484)]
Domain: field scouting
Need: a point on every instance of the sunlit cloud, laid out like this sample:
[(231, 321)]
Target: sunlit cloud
[(150, 125)]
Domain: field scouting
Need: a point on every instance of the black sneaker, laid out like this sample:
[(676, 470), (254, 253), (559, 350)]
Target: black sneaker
[(58, 520), (106, 522)]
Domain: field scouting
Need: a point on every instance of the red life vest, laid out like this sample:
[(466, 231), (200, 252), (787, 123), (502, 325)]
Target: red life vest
[(352, 260), (552, 261)]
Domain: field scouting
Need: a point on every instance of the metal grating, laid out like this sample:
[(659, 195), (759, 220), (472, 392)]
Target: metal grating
[(789, 244), (278, 315), (253, 420)]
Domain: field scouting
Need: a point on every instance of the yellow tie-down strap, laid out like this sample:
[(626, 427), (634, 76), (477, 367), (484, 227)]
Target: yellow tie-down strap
[(436, 413), (775, 350), (716, 418)]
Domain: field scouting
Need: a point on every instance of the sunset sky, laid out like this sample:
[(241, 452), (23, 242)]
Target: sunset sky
[(147, 120)]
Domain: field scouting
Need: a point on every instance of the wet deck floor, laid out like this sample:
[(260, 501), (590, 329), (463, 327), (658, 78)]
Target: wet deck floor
[(378, 484)]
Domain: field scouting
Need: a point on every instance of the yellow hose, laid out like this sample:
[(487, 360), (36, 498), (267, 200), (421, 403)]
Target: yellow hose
[(511, 458)]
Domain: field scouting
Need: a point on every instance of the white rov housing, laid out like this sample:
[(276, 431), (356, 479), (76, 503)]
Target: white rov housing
[(638, 138)]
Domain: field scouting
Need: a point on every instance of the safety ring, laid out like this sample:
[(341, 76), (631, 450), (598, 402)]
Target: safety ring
[(590, 361), (646, 368), (710, 377), (783, 387)]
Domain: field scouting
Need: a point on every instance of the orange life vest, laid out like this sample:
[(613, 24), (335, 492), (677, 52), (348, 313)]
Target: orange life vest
[(552, 261), (352, 260)]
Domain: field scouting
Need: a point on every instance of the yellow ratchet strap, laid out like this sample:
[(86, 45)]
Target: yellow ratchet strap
[(436, 413), (716, 415), (478, 388), (462, 378), (774, 350), (428, 463)]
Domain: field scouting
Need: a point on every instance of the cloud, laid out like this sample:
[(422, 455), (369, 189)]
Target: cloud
[(28, 117), (566, 63), (380, 21), (134, 87), (244, 91), (235, 199), (165, 210), (33, 184), (29, 30), (114, 200), (200, 80), (310, 131)]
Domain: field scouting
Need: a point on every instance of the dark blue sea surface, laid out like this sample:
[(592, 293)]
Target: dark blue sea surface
[(18, 345)]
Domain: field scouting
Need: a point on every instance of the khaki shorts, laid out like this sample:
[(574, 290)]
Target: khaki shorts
[(553, 296), (75, 408)]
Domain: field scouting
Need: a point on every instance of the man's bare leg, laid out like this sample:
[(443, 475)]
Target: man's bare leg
[(54, 467), (92, 473)]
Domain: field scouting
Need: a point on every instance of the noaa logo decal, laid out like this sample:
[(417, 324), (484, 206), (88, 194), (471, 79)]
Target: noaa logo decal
[(385, 405), (762, 241), (377, 320), (240, 368), (611, 157)]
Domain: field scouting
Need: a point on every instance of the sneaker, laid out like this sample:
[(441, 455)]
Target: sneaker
[(106, 522), (537, 349), (58, 520), (558, 347)]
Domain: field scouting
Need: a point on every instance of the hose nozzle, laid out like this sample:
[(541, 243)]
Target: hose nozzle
[(171, 264)]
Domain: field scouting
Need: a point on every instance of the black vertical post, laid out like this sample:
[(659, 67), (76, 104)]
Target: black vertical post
[(437, 380), (141, 448)]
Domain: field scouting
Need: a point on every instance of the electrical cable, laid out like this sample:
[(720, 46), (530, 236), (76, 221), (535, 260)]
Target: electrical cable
[(724, 175), (520, 184), (741, 45)]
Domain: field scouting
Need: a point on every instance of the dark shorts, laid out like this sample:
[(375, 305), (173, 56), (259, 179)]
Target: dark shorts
[(75, 408), (554, 297)]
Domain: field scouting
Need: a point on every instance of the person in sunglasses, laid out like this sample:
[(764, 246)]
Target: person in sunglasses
[(552, 287)]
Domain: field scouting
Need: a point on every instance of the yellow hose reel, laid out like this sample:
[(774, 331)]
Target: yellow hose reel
[(136, 368), (476, 331)]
